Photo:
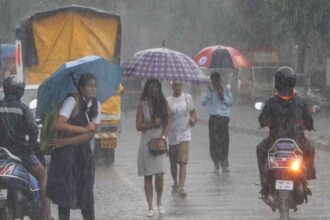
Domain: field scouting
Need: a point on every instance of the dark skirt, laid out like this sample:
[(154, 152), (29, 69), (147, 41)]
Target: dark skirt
[(71, 177), (219, 140)]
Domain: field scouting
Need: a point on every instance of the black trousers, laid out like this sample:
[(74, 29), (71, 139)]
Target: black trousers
[(305, 145), (64, 213), (219, 140)]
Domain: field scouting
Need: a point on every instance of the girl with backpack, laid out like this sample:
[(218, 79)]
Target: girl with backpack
[(72, 170)]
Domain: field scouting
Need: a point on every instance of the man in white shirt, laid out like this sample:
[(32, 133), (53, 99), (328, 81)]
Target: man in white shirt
[(183, 118)]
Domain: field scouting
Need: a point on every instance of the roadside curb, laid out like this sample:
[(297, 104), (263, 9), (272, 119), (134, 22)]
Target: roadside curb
[(320, 143)]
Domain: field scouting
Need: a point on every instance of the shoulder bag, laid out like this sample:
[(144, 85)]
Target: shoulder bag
[(154, 149)]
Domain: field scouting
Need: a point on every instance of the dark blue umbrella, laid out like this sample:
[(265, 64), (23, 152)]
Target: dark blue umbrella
[(63, 82)]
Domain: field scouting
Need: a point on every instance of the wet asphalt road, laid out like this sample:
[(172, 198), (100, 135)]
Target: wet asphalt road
[(119, 191)]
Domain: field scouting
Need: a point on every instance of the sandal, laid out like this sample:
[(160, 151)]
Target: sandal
[(150, 213), (174, 189), (182, 193), (161, 210)]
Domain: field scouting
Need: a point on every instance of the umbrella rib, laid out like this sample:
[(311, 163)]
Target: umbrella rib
[(187, 60), (147, 71)]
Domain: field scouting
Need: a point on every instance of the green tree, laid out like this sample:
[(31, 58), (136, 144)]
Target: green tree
[(254, 23), (305, 20)]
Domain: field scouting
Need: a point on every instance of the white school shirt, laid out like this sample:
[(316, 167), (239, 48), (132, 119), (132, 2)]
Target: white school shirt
[(69, 105), (181, 107)]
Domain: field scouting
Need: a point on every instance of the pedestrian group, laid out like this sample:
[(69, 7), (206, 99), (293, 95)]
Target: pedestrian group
[(171, 120), (162, 122)]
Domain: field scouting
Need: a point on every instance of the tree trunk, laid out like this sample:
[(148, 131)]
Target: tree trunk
[(302, 48)]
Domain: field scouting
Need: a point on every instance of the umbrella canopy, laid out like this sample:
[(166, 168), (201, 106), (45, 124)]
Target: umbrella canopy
[(163, 63), (221, 57), (63, 82)]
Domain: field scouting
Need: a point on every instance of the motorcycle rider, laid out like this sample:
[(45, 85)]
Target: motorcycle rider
[(287, 116), (19, 133)]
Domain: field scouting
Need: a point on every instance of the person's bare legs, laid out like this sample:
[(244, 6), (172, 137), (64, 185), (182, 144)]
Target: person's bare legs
[(182, 174), (174, 173), (159, 184), (40, 172), (148, 190)]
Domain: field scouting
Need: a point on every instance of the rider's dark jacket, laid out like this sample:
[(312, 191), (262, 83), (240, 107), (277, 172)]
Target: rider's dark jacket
[(18, 131), (286, 117)]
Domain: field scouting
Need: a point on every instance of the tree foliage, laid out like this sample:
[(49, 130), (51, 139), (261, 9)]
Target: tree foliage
[(302, 17), (189, 25), (272, 23), (307, 21)]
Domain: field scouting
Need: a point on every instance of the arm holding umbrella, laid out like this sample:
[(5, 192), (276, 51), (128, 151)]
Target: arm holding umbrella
[(61, 142), (207, 96), (85, 133), (63, 125)]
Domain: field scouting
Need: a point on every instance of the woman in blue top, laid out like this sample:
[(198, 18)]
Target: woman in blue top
[(218, 101)]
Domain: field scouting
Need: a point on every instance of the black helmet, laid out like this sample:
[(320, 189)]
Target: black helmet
[(285, 79), (13, 86)]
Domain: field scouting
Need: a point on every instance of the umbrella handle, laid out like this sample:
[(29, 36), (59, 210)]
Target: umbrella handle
[(74, 81), (89, 121)]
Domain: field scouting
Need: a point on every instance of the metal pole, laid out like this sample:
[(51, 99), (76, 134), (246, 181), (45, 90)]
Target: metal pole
[(1, 72)]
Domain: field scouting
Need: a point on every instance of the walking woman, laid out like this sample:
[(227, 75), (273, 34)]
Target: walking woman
[(71, 173), (218, 101), (153, 119)]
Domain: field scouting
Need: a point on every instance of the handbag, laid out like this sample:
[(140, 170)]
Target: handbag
[(154, 149)]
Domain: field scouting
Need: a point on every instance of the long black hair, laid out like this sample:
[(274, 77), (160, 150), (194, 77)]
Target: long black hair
[(160, 104), (216, 81), (93, 111)]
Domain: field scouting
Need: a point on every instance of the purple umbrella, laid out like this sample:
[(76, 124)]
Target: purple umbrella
[(162, 63)]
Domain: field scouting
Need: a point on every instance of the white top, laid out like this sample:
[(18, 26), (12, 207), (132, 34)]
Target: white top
[(181, 108), (69, 105)]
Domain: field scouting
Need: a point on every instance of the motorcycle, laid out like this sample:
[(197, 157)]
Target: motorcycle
[(285, 177), (19, 189)]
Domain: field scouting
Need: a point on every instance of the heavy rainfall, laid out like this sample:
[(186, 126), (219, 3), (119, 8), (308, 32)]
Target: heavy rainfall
[(172, 109)]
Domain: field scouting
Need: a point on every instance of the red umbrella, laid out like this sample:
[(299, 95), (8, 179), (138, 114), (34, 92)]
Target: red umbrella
[(221, 57)]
